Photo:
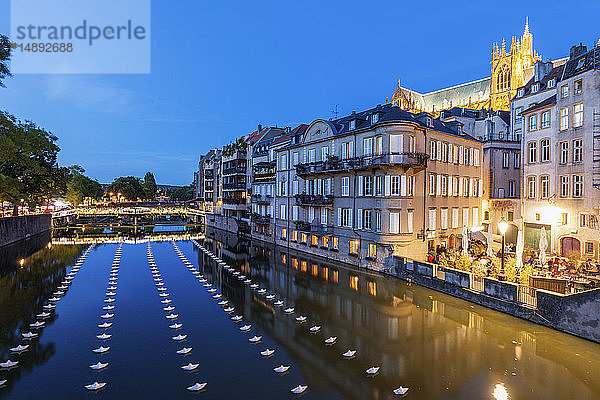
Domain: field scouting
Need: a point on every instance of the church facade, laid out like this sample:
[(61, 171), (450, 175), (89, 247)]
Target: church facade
[(510, 70)]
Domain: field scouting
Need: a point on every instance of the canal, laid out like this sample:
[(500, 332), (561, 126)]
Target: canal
[(437, 346)]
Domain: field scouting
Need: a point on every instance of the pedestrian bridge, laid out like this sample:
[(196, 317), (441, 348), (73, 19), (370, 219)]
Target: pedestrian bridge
[(133, 214)]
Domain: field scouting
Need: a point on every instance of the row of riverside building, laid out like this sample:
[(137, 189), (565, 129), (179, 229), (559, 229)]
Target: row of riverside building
[(386, 181)]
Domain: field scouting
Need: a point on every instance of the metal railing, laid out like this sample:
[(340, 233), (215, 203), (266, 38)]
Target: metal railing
[(527, 296), (364, 162), (313, 200), (476, 283), (439, 272), (262, 198)]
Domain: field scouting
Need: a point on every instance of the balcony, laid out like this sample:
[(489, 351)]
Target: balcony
[(313, 200), (234, 186), (315, 228), (261, 219), (264, 177), (234, 171), (262, 199), (363, 163), (234, 200)]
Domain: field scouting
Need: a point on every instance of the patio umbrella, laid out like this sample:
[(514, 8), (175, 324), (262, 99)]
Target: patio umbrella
[(465, 241), (490, 240), (519, 254), (543, 246)]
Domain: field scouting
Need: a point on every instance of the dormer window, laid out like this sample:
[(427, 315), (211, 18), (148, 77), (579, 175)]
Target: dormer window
[(352, 125), (430, 122), (374, 118), (459, 129), (535, 88), (551, 83), (521, 92)]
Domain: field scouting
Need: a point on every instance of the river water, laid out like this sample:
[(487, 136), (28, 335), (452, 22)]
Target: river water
[(437, 346)]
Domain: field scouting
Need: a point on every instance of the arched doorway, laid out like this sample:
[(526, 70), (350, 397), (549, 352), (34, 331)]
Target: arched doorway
[(568, 245)]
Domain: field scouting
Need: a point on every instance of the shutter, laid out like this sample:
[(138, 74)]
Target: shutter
[(304, 156), (438, 146), (387, 186), (450, 179), (359, 218), (350, 219), (479, 191), (471, 156), (360, 185), (438, 185), (449, 155), (339, 213), (460, 154), (402, 185), (471, 187), (350, 149), (393, 223), (460, 186)]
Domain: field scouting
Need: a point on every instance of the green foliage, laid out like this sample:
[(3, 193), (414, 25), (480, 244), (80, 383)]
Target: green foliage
[(238, 145), (478, 248), (5, 50), (149, 185), (130, 188), (463, 263), (81, 188), (29, 172), (494, 267), (183, 193), (523, 276), (510, 269)]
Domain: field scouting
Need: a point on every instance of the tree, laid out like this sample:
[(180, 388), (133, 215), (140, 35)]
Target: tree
[(81, 188), (5, 50), (149, 185), (130, 188), (29, 173), (182, 193)]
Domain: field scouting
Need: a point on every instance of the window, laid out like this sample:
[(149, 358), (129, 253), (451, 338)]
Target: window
[(283, 211), (564, 91), (578, 86), (544, 186), (325, 241), (545, 123), (532, 122), (432, 219), (352, 125), (531, 187), (346, 217), (303, 238), (551, 83), (511, 188), (432, 184), (432, 150), (532, 147), (312, 153), (283, 162), (444, 185), (347, 151), (377, 220), (518, 134), (294, 236), (517, 160), (379, 145), (374, 118), (545, 150), (465, 217), (521, 92), (589, 247), (372, 251), (345, 186), (535, 88), (368, 185), (564, 118), (577, 185), (505, 159), (565, 218), (296, 158), (368, 146), (335, 245), (583, 220), (395, 185), (578, 115), (324, 153), (455, 218), (314, 240), (564, 186), (411, 186), (353, 280), (577, 150), (444, 218), (518, 116), (394, 222), (379, 185), (564, 152), (354, 246), (367, 219), (409, 221)]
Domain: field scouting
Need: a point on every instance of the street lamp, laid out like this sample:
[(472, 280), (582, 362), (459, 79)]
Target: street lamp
[(502, 227)]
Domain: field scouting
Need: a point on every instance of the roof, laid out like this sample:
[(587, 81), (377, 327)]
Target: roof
[(392, 113), (556, 73), (582, 63), (542, 104), (297, 131)]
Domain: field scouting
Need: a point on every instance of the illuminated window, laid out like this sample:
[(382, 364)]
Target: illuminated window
[(354, 244), (578, 86), (315, 240), (372, 251), (294, 236), (303, 266), (372, 288), (303, 238), (315, 270), (294, 263), (283, 258), (335, 275), (325, 273), (335, 245), (325, 241), (354, 282), (578, 115), (283, 234), (564, 118)]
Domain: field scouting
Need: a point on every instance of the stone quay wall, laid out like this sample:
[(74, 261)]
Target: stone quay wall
[(13, 229)]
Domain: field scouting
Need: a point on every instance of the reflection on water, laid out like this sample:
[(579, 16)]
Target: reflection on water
[(24, 288), (439, 346)]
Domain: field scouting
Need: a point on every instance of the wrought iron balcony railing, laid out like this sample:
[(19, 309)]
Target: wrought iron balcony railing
[(313, 200), (364, 162), (261, 219)]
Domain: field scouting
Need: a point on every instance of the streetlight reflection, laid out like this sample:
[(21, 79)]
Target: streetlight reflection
[(500, 392)]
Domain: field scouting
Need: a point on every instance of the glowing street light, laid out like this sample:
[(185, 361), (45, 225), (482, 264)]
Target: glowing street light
[(502, 227)]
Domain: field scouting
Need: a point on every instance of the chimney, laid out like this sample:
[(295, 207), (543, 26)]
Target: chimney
[(259, 127), (541, 69), (576, 51)]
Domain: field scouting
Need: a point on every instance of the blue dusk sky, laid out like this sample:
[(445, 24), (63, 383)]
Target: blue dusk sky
[(220, 68)]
